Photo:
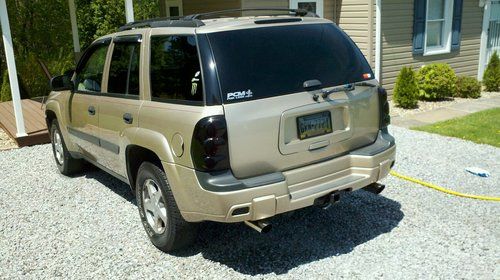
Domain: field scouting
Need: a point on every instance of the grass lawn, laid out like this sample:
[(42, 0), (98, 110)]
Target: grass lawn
[(481, 127)]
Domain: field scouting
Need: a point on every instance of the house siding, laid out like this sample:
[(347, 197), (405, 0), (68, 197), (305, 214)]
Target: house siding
[(397, 42), (283, 4), (357, 19), (197, 6)]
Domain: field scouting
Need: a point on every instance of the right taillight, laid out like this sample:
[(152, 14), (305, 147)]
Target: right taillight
[(209, 147), (385, 118)]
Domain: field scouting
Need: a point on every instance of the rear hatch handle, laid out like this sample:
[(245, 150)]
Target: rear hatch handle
[(311, 85)]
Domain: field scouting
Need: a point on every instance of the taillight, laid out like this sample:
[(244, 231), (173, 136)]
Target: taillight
[(209, 147), (385, 118)]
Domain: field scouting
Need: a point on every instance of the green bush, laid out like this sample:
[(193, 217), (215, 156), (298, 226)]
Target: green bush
[(491, 77), (406, 89), (436, 81), (5, 90), (468, 87)]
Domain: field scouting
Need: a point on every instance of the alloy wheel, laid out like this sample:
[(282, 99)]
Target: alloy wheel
[(154, 206)]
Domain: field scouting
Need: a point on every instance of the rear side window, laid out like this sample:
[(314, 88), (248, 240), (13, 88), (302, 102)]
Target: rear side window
[(124, 69), (175, 70), (89, 77), (265, 62)]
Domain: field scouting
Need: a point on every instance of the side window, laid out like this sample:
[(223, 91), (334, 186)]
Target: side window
[(89, 77), (175, 69), (124, 69)]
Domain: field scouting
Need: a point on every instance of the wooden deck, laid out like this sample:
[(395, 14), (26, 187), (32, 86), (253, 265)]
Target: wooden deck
[(34, 121)]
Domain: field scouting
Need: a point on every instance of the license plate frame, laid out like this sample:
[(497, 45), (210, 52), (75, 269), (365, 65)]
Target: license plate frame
[(319, 123)]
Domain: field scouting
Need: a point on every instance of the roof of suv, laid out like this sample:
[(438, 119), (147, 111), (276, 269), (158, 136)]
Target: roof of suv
[(218, 24), (224, 24), (215, 21)]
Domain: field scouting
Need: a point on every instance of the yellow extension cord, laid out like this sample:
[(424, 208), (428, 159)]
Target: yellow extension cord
[(441, 189)]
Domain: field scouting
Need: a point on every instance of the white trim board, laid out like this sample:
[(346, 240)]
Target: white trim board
[(484, 40), (378, 41)]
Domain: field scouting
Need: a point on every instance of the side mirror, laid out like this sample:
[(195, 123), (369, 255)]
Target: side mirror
[(60, 83)]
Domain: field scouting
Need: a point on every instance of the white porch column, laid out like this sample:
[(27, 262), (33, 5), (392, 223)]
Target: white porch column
[(483, 59), (74, 26), (129, 10), (378, 40), (11, 67)]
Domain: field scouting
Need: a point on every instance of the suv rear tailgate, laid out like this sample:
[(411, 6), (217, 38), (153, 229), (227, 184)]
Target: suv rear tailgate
[(263, 134)]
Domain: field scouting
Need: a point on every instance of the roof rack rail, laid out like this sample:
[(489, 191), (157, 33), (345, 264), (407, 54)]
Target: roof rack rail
[(292, 12), (163, 22), (195, 19)]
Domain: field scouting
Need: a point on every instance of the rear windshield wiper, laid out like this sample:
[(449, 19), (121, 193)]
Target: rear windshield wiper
[(316, 84), (346, 88)]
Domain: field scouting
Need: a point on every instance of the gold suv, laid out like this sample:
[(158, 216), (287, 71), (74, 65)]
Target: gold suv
[(227, 119)]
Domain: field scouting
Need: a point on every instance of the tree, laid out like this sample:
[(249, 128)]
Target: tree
[(97, 18), (406, 89), (5, 88), (491, 77), (41, 29)]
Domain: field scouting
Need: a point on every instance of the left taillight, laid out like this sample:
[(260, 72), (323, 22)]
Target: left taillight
[(209, 147), (384, 116)]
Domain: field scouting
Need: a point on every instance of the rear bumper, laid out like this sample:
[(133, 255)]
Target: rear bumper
[(223, 198)]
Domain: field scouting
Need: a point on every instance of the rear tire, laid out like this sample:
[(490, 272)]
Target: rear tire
[(159, 213), (66, 164)]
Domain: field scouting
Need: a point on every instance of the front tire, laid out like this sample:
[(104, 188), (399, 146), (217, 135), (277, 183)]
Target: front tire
[(66, 164), (159, 213)]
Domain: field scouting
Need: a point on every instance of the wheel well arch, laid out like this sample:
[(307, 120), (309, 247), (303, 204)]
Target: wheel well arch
[(135, 155), (49, 117)]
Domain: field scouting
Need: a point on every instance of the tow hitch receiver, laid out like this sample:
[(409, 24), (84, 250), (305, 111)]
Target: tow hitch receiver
[(328, 200), (375, 188)]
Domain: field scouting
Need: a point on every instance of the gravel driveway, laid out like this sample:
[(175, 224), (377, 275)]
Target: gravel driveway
[(88, 226)]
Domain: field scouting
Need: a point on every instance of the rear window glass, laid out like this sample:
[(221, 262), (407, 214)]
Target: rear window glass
[(175, 70), (265, 62)]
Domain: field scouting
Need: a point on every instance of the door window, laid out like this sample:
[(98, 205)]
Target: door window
[(124, 69), (493, 43), (89, 76), (175, 69)]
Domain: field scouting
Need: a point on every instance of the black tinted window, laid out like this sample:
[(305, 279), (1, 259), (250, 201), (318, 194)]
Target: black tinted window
[(89, 76), (124, 69), (264, 62), (175, 69)]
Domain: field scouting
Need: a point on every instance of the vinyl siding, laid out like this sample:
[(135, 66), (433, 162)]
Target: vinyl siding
[(197, 6), (397, 40), (265, 4), (357, 19), (246, 4), (328, 9)]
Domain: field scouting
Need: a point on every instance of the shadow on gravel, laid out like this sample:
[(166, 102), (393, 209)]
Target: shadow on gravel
[(308, 235), (111, 183)]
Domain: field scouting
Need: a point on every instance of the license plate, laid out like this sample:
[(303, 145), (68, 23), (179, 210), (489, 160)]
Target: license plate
[(314, 125)]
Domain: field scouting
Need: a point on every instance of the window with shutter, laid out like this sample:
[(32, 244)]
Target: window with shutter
[(436, 26)]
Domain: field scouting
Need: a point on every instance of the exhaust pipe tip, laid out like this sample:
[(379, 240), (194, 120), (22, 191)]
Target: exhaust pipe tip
[(261, 226)]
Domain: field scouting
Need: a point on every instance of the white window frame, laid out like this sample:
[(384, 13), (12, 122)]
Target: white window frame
[(173, 3), (446, 35), (294, 4)]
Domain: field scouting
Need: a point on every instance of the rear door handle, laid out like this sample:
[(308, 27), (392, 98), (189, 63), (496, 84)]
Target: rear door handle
[(91, 110), (127, 118)]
